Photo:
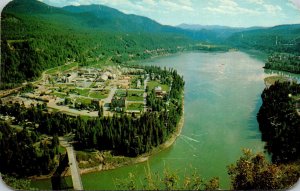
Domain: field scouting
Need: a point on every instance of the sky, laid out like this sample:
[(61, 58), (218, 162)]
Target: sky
[(237, 13)]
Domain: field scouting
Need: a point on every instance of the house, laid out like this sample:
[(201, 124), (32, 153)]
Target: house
[(158, 90)]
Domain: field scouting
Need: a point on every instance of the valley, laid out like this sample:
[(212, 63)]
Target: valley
[(137, 104)]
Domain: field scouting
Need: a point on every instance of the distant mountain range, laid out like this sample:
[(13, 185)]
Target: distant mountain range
[(108, 19)]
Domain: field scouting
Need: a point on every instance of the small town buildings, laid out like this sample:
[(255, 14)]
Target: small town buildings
[(158, 90)]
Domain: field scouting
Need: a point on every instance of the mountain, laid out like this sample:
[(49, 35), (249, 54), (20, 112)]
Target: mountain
[(36, 36), (220, 31), (285, 38)]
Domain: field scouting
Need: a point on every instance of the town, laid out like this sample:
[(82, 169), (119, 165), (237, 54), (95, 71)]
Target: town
[(91, 91)]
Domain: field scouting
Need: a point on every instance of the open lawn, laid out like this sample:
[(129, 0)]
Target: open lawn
[(134, 95), (99, 94), (82, 92), (135, 106), (153, 84), (121, 93), (84, 100)]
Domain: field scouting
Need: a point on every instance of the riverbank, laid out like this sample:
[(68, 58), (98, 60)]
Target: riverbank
[(120, 161), (97, 161)]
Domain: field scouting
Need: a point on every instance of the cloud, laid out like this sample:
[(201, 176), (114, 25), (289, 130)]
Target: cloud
[(258, 2), (295, 3), (230, 7), (272, 9)]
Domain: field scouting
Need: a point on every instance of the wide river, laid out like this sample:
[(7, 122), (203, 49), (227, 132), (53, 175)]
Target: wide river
[(222, 98)]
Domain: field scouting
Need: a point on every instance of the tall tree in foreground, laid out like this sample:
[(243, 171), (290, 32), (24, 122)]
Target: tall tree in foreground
[(253, 172)]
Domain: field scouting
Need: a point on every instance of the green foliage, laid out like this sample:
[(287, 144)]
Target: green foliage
[(29, 44), (168, 181), (283, 38), (122, 134), (279, 122), (284, 62), (19, 155), (16, 183), (254, 172)]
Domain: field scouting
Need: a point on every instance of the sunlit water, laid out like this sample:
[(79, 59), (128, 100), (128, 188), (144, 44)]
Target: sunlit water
[(222, 98)]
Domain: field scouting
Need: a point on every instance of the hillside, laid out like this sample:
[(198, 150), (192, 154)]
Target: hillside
[(283, 38), (35, 37)]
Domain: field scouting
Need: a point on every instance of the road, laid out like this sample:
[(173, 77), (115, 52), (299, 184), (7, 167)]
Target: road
[(107, 100), (145, 93), (66, 109), (75, 173)]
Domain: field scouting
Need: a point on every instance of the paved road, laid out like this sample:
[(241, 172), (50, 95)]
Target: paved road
[(75, 173)]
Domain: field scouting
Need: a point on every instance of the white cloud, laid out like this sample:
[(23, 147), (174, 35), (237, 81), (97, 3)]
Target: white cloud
[(272, 9), (295, 3), (230, 7), (259, 2), (149, 2)]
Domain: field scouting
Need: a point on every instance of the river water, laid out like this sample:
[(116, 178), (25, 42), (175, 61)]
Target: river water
[(222, 98)]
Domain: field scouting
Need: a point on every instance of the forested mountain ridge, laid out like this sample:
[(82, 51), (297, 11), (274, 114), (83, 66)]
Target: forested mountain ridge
[(282, 38), (35, 36)]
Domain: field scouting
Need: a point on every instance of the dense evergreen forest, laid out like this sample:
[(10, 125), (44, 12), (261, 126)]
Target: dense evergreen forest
[(23, 153), (284, 62), (282, 38), (279, 122)]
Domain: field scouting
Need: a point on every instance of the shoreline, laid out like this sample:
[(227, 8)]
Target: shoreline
[(128, 161), (144, 157)]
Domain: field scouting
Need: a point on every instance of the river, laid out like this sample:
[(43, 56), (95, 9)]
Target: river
[(222, 98)]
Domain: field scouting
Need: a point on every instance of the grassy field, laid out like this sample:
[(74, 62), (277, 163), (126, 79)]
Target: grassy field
[(61, 68), (121, 93), (153, 84), (135, 106), (99, 94), (60, 94), (134, 95), (84, 100), (273, 79), (82, 92)]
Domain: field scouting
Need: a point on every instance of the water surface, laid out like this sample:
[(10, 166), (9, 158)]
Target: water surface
[(222, 98)]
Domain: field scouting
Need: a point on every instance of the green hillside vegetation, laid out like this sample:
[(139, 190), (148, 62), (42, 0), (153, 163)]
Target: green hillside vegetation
[(279, 122), (283, 38), (31, 43), (284, 61)]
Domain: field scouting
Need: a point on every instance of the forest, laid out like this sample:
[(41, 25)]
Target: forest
[(123, 134), (23, 153), (284, 61), (279, 122), (24, 58)]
